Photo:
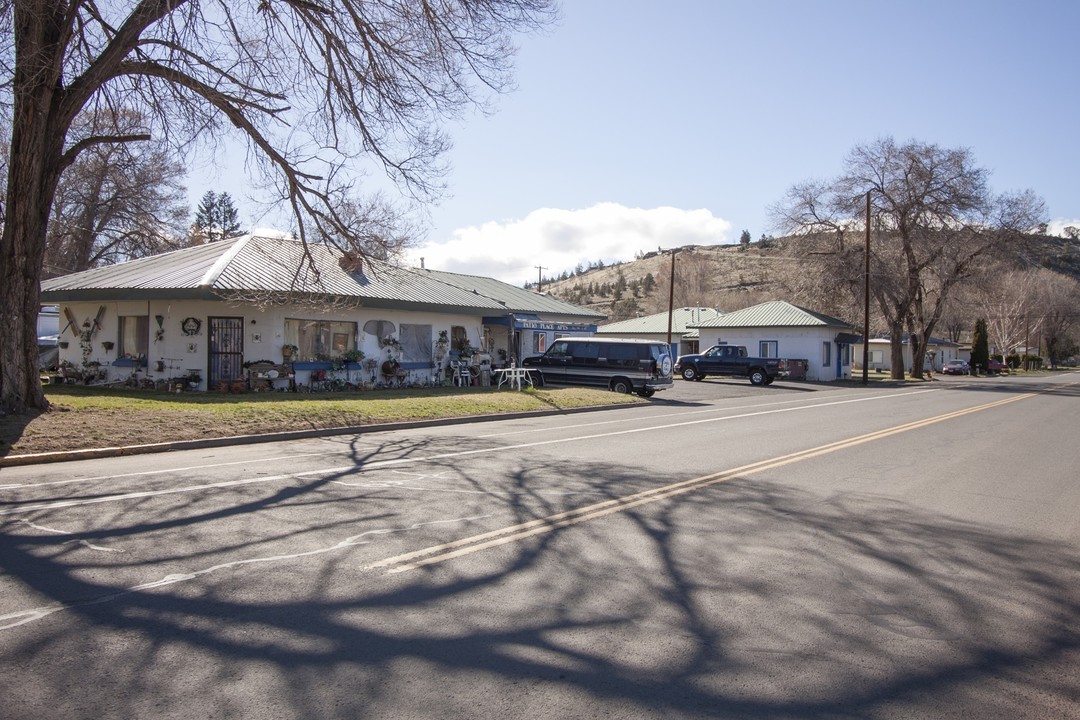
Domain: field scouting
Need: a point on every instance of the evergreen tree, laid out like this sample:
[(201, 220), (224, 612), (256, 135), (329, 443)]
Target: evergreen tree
[(980, 347), (744, 239), (650, 283), (216, 218)]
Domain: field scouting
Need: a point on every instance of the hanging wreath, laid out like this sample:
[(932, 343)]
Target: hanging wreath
[(191, 326)]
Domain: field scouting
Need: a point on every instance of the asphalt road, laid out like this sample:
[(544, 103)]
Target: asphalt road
[(794, 551)]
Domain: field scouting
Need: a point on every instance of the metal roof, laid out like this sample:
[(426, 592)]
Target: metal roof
[(681, 319), (515, 299), (276, 264), (776, 313)]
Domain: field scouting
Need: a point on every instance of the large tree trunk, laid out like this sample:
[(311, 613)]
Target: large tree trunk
[(37, 141), (21, 253), (896, 350)]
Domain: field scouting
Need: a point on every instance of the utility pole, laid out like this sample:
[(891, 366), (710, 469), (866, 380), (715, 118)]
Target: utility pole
[(866, 301), (539, 278), (671, 297)]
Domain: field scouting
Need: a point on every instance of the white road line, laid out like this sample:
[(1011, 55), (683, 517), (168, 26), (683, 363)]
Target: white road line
[(683, 413), (165, 471), (426, 458), (21, 617)]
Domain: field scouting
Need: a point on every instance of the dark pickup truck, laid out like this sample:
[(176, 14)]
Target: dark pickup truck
[(729, 360)]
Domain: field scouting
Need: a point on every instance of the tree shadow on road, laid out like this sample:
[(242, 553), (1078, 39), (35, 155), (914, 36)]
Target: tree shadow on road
[(743, 599)]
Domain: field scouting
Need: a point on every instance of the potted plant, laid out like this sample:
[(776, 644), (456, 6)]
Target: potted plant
[(441, 345), (347, 357), (108, 345)]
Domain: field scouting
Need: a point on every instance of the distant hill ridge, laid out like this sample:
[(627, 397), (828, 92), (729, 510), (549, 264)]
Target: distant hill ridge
[(731, 277)]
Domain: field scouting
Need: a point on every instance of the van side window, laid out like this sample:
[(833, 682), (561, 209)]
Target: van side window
[(585, 352), (558, 349), (624, 355)]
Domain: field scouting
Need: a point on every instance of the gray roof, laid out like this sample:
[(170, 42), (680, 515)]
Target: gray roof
[(275, 264), (681, 319), (515, 299), (776, 313)]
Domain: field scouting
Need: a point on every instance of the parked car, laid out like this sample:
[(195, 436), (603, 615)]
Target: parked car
[(956, 367), (996, 366), (638, 366)]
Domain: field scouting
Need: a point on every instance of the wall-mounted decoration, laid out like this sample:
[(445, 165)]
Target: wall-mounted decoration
[(256, 337), (193, 347), (191, 326)]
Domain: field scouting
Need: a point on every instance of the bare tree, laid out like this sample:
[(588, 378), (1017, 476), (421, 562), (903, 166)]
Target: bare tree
[(1008, 301), (318, 89), (933, 216), (1058, 301), (115, 202)]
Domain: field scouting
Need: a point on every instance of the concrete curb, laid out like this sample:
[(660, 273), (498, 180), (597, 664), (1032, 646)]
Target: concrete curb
[(93, 453)]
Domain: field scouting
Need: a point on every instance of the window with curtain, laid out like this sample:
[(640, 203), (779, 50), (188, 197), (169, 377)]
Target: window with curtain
[(320, 339), (134, 339), (415, 342)]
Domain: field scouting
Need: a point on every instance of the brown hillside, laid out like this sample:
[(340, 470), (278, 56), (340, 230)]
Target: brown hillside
[(731, 277)]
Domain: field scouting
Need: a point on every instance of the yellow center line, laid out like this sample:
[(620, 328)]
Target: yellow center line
[(514, 533)]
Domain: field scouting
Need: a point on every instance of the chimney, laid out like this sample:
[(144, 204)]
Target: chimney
[(351, 262), (421, 263)]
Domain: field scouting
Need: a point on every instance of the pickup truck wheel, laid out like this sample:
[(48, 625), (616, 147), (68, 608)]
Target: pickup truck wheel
[(690, 373), (621, 385), (758, 377), (647, 393)]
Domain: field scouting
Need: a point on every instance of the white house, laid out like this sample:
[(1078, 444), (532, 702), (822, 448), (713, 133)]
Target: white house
[(938, 352), (207, 311), (684, 337), (782, 330)]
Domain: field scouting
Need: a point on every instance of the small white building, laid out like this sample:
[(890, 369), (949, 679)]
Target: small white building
[(684, 339), (781, 330), (879, 354)]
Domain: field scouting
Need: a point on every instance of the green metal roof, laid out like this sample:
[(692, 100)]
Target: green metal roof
[(681, 319), (776, 313), (268, 264)]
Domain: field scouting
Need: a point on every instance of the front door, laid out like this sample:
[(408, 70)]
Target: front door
[(226, 350)]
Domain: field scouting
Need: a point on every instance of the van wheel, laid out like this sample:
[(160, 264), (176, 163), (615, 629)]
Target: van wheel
[(537, 379), (690, 373), (758, 377), (647, 393), (621, 385)]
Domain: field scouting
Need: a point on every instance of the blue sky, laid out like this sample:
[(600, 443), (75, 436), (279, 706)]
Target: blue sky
[(638, 125)]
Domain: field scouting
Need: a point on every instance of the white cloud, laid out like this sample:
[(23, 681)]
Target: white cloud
[(560, 239), (1057, 227)]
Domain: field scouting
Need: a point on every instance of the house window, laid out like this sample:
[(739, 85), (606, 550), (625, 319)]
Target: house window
[(877, 356), (769, 349), (459, 339), (826, 354), (539, 342), (415, 342), (319, 339), (845, 355), (134, 336)]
